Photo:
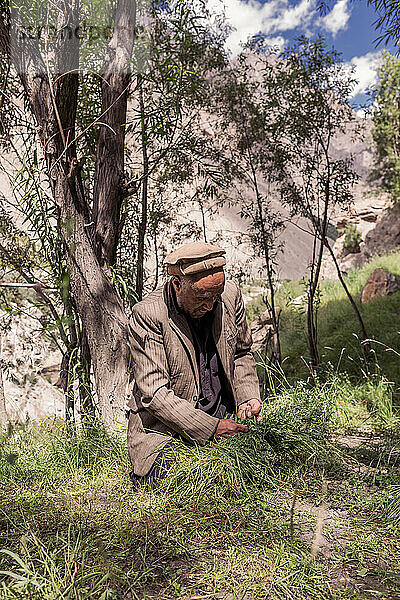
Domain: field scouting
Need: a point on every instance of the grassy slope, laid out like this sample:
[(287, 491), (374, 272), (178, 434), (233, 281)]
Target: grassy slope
[(338, 330), (235, 520)]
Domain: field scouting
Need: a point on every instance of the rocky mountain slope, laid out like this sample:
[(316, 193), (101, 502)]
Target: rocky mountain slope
[(296, 242), (29, 367), (376, 221)]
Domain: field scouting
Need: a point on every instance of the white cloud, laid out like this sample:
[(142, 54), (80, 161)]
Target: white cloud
[(337, 19), (277, 43), (251, 17), (298, 16), (365, 71)]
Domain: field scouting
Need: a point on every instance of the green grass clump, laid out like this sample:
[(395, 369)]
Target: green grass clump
[(52, 571), (234, 519), (293, 437), (52, 449)]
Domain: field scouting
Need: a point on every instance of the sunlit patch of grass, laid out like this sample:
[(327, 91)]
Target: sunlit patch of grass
[(234, 519), (56, 570), (46, 452), (339, 334), (293, 437)]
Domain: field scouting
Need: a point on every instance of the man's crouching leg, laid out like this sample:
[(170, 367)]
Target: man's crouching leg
[(157, 473)]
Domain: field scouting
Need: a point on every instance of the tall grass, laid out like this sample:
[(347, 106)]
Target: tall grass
[(338, 330), (49, 548), (223, 524), (230, 520), (56, 571), (292, 440), (52, 448)]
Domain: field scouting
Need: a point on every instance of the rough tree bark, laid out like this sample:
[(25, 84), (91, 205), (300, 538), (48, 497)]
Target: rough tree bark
[(108, 195), (144, 204), (53, 106)]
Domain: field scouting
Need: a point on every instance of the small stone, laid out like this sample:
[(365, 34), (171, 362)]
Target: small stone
[(380, 283)]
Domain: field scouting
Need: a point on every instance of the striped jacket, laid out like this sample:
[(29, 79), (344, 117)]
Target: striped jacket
[(166, 374)]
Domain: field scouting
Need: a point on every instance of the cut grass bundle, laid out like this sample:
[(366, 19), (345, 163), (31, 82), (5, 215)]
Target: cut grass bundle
[(293, 437)]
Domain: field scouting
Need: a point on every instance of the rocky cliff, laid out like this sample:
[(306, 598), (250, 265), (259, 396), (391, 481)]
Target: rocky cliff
[(29, 369)]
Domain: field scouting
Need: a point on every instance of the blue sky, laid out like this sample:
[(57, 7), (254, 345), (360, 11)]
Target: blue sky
[(348, 26)]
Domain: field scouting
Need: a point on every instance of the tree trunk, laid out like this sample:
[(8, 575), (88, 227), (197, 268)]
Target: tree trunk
[(265, 248), (157, 259), (311, 310), (109, 171), (203, 220), (3, 411), (99, 307), (312, 338), (311, 331), (349, 296), (145, 182), (87, 408), (65, 372)]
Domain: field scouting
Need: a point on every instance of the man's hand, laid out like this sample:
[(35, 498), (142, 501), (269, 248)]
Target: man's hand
[(227, 427), (247, 409)]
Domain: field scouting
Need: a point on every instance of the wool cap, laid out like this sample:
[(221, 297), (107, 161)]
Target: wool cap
[(195, 257)]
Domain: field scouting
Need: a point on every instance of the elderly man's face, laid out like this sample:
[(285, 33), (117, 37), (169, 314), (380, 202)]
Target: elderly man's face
[(196, 296)]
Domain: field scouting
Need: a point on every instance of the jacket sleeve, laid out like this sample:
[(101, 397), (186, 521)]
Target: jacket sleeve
[(245, 379), (151, 373)]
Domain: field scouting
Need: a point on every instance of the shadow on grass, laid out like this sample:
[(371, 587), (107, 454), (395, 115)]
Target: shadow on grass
[(223, 525), (159, 548)]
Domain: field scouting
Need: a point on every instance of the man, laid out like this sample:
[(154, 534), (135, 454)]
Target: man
[(192, 361)]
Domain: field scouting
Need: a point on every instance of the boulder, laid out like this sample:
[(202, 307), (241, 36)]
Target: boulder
[(351, 261), (262, 329), (385, 236), (380, 283), (299, 301)]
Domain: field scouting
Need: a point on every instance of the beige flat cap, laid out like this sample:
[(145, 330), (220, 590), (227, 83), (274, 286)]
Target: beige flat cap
[(194, 257)]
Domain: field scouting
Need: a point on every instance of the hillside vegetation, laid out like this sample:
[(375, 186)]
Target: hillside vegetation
[(338, 330), (305, 505)]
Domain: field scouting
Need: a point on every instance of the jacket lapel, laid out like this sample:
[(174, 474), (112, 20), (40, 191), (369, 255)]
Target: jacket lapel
[(181, 327), (218, 332)]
